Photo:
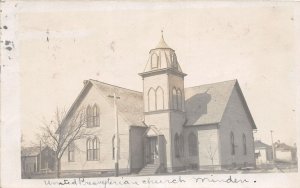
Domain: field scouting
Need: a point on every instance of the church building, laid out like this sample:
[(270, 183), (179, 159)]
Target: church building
[(165, 128)]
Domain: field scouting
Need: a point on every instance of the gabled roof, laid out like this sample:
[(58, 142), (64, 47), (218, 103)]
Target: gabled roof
[(206, 104), (130, 104), (130, 107), (152, 131), (260, 144), (31, 151), (283, 146)]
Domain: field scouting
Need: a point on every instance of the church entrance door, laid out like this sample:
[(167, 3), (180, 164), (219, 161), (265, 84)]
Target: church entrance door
[(152, 150)]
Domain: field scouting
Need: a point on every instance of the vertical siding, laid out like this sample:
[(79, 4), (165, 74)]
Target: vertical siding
[(235, 119)]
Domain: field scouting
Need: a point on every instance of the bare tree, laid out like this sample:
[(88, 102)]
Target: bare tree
[(211, 152), (62, 131)]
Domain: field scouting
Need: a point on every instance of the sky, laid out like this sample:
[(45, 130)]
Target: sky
[(61, 46)]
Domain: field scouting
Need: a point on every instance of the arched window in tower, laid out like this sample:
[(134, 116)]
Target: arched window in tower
[(193, 145), (244, 144), (179, 99), (151, 100), (96, 119), (176, 145), (159, 98), (174, 61), (89, 116), (174, 98), (232, 143), (154, 61)]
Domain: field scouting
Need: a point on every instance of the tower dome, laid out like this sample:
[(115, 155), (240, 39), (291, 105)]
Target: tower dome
[(162, 57)]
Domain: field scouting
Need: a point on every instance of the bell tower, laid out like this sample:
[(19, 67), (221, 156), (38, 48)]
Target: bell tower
[(163, 80), (164, 101)]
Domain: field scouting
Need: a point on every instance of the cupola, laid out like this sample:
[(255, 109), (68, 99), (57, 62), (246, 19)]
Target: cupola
[(162, 57)]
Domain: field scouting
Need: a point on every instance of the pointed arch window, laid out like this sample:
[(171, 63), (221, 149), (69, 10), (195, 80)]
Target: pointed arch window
[(89, 149), (96, 149), (232, 143), (93, 149), (244, 144), (96, 119), (193, 144), (151, 100), (179, 99), (89, 118), (174, 97), (71, 152), (154, 61), (159, 98), (176, 143)]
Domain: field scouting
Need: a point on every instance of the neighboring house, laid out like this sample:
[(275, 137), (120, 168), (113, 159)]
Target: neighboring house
[(36, 159), (263, 153), (167, 127), (285, 153)]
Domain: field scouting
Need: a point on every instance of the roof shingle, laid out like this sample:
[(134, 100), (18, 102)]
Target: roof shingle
[(130, 105), (205, 104), (260, 144)]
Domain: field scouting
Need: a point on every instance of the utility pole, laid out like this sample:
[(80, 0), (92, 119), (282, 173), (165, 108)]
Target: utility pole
[(273, 149), (116, 134)]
